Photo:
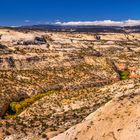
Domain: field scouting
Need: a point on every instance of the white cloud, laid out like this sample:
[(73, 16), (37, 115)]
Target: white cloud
[(27, 21), (102, 23)]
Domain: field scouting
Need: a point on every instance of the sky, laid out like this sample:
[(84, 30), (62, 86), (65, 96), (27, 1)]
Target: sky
[(25, 12)]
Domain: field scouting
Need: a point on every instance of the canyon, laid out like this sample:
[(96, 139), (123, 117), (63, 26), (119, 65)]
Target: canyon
[(69, 85)]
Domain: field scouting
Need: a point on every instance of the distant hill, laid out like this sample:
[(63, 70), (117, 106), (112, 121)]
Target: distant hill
[(81, 28)]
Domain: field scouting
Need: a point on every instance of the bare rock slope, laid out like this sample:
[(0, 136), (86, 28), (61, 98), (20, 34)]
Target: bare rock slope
[(113, 109), (119, 119)]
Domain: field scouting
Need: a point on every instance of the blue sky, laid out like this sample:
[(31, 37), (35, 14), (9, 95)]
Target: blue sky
[(21, 12)]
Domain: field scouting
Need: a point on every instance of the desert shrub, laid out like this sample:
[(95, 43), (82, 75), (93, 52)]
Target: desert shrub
[(124, 75)]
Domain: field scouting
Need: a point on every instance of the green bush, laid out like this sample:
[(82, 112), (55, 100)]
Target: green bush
[(124, 75)]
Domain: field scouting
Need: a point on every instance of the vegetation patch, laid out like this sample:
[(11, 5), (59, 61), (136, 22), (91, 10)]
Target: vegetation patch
[(124, 75), (15, 108)]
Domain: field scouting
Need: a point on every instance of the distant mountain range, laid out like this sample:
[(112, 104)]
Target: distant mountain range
[(82, 28)]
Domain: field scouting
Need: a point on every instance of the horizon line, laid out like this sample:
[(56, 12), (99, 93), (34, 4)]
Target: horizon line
[(119, 23)]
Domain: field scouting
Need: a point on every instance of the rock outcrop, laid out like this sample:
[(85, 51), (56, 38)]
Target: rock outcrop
[(119, 119)]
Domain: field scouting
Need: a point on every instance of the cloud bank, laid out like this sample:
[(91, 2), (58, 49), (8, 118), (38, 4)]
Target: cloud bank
[(101, 23)]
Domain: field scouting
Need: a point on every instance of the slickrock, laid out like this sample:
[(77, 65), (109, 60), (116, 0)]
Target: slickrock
[(51, 81), (119, 119), (110, 107)]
